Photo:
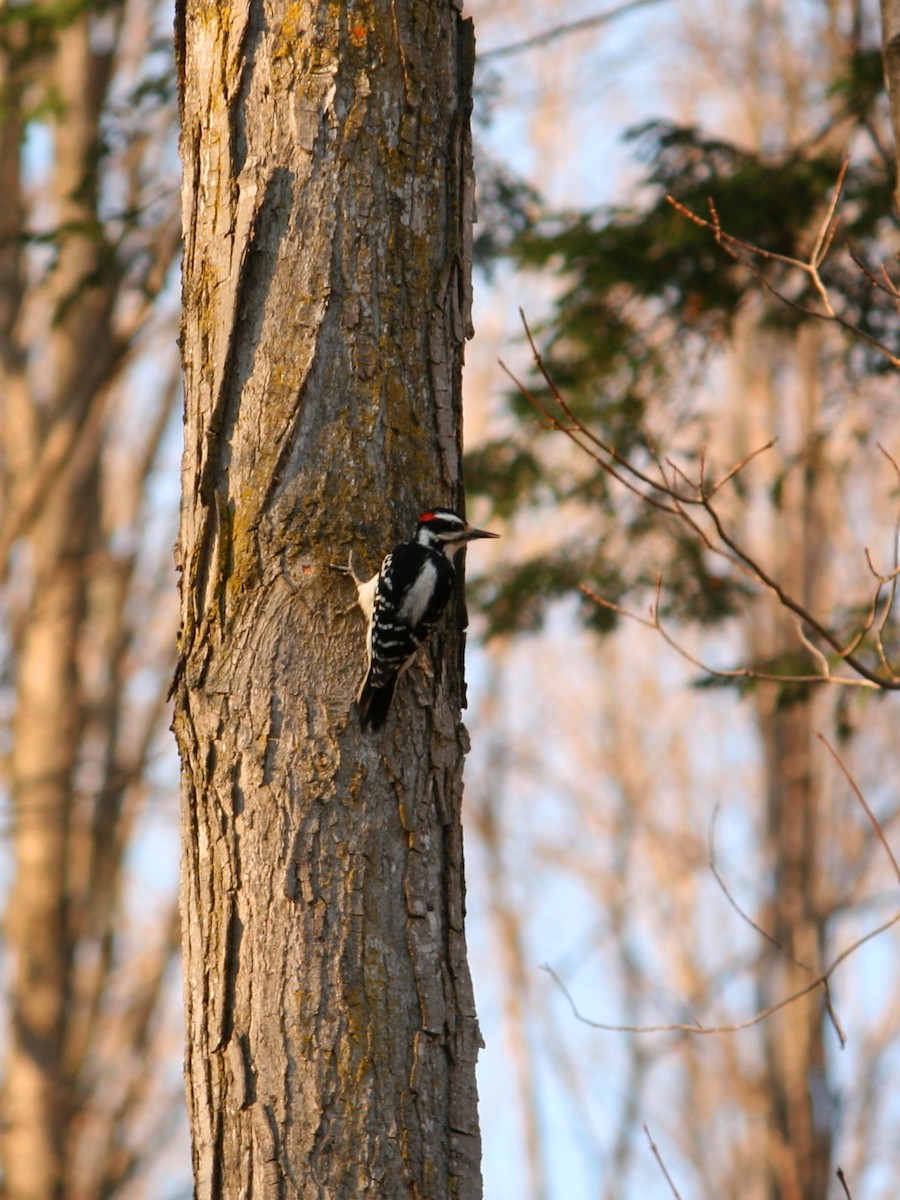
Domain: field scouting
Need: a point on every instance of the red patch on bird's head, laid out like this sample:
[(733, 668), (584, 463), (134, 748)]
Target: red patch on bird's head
[(426, 516)]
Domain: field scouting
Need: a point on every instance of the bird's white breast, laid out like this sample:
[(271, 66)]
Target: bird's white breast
[(418, 598)]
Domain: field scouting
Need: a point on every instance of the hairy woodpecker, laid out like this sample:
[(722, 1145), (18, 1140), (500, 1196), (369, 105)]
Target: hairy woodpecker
[(403, 602)]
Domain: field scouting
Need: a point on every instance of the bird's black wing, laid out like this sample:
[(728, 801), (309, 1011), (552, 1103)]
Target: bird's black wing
[(400, 622)]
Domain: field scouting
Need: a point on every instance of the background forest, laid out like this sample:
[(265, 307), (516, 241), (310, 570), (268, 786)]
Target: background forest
[(680, 846), (672, 818)]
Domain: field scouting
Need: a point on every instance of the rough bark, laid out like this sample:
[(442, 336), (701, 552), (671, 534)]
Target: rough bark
[(330, 1020)]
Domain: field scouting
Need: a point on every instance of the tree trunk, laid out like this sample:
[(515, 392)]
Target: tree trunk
[(800, 1115), (801, 1109), (38, 1087), (37, 1100), (890, 52), (327, 183)]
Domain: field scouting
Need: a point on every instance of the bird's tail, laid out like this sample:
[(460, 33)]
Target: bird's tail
[(374, 701)]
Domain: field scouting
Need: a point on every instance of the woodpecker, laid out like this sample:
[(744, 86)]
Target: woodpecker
[(403, 601)]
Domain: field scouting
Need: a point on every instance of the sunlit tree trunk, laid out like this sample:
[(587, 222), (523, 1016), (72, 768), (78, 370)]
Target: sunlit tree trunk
[(799, 1104), (890, 33), (330, 1022), (796, 537), (38, 1087)]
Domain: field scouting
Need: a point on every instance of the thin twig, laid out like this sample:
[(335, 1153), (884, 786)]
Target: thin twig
[(731, 900), (654, 484), (662, 1165), (829, 224), (814, 650), (656, 487), (891, 575), (745, 253), (857, 792), (843, 1182), (832, 1014), (787, 601), (576, 429), (829, 1005), (730, 474), (563, 30), (885, 284), (654, 623), (891, 580)]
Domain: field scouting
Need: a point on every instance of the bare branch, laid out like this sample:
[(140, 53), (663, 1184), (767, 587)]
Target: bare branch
[(731, 900), (605, 447), (843, 1182), (572, 432), (879, 575), (884, 284), (746, 253), (735, 1027), (892, 682), (654, 623), (576, 430), (829, 224), (829, 1005), (738, 467), (662, 1165), (663, 495), (563, 30), (857, 792)]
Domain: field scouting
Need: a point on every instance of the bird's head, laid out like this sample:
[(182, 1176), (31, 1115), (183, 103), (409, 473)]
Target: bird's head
[(444, 530)]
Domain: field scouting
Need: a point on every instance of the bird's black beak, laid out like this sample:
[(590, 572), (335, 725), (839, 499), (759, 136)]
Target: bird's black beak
[(472, 534)]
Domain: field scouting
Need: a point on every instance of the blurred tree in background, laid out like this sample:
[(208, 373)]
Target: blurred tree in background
[(89, 232)]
